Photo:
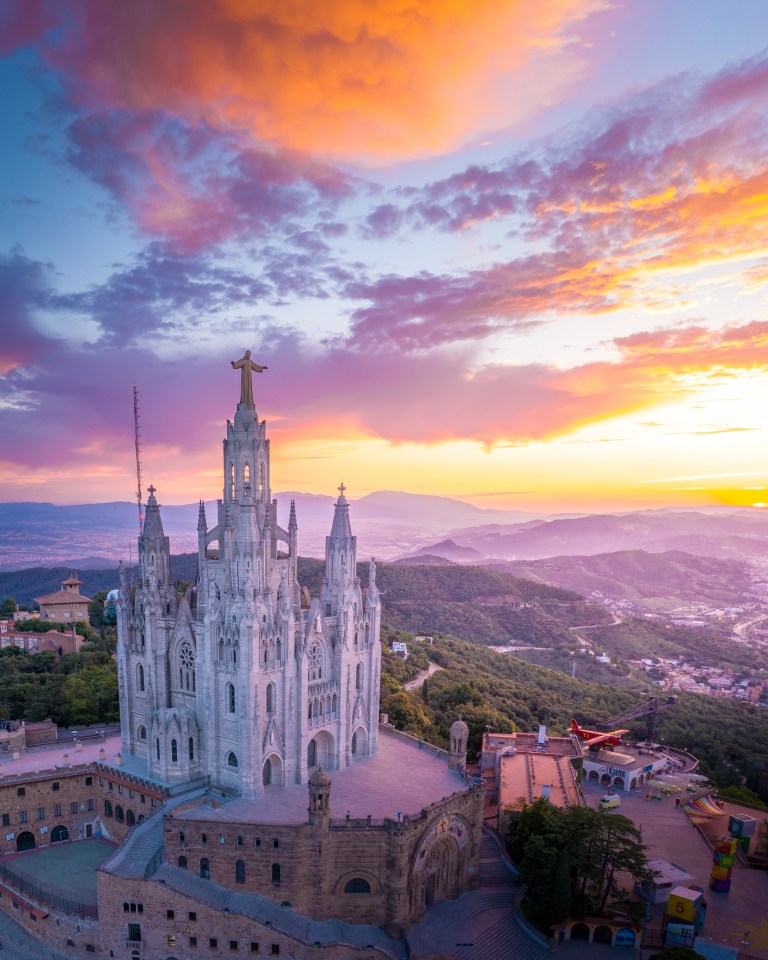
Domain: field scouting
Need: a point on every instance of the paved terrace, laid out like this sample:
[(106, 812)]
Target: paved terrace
[(52, 758), (401, 778), (669, 835)]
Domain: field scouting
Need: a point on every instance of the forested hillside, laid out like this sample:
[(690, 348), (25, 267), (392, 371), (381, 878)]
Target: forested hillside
[(730, 737)]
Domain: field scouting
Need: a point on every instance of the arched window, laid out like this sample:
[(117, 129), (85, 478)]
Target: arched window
[(174, 752), (205, 869), (107, 808), (309, 710), (276, 874), (221, 651), (261, 477), (186, 666), (119, 815), (315, 661), (334, 705), (182, 862), (143, 640), (278, 652), (240, 871), (130, 817), (270, 699), (230, 698), (354, 742), (140, 677), (142, 734), (266, 773), (232, 481), (191, 748), (357, 885), (234, 655), (359, 677), (232, 760), (311, 754), (246, 474), (157, 748)]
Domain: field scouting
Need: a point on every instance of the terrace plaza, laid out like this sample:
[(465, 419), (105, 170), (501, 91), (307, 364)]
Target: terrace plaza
[(669, 835)]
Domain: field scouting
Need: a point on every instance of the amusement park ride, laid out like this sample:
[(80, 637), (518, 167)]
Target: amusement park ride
[(593, 738), (648, 707)]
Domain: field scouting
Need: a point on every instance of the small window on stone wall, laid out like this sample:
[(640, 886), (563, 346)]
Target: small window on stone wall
[(357, 885)]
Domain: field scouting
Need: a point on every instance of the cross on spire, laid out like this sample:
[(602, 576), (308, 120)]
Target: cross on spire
[(151, 489), (342, 488)]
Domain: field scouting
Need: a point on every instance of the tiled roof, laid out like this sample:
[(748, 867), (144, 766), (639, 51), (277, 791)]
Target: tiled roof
[(62, 596)]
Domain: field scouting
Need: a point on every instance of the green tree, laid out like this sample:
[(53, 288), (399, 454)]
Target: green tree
[(7, 608), (405, 713), (560, 900)]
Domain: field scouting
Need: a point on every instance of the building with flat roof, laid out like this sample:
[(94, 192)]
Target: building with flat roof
[(519, 768)]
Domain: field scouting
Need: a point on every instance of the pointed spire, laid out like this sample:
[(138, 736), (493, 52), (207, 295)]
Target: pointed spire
[(202, 523), (341, 528), (292, 516), (153, 525)]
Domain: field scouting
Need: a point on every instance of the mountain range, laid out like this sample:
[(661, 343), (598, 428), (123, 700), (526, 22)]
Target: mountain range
[(387, 523)]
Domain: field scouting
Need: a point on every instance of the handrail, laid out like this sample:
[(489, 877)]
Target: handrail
[(64, 904)]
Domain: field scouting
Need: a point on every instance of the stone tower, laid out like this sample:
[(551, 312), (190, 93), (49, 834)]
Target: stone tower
[(236, 681)]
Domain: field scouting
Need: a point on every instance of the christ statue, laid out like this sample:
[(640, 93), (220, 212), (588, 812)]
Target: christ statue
[(246, 366)]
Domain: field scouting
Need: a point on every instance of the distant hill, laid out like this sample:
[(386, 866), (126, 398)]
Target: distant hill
[(446, 550), (650, 580), (387, 524), (25, 585), (730, 534)]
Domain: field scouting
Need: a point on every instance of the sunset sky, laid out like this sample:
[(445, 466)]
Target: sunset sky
[(511, 251)]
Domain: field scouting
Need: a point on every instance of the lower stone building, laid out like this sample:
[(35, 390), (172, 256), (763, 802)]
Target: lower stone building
[(336, 867)]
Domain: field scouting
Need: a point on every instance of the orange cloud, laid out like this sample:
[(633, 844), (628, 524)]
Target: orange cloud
[(381, 79)]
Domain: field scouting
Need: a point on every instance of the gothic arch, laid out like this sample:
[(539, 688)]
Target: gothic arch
[(272, 771), (183, 671), (140, 678), (317, 657), (360, 742)]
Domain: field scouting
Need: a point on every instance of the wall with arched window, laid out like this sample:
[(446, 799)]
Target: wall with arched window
[(230, 697)]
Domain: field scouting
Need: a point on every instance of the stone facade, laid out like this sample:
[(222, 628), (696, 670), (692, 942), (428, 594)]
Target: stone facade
[(358, 870), (239, 681), (233, 696)]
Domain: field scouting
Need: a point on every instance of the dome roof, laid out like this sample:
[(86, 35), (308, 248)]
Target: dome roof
[(319, 778), (458, 727)]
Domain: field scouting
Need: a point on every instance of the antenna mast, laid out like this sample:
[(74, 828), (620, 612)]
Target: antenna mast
[(137, 440)]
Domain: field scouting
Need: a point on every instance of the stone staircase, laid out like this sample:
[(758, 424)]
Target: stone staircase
[(485, 917), (135, 854)]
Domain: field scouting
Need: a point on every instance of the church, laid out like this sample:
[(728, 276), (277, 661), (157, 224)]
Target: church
[(254, 802), (244, 681)]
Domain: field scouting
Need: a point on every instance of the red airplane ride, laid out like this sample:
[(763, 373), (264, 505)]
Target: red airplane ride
[(593, 738)]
